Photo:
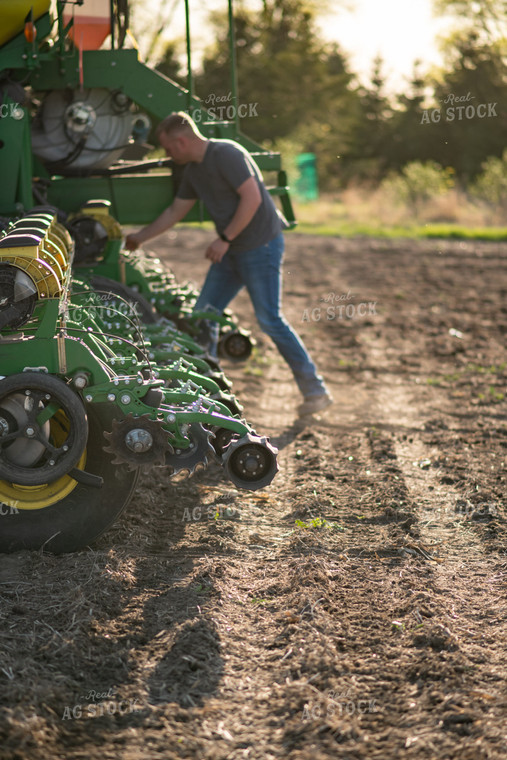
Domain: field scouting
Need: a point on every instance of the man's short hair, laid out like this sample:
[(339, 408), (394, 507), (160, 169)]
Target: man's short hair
[(177, 122)]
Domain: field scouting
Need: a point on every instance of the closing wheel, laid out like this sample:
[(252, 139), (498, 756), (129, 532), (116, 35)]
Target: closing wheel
[(222, 439), (230, 402), (250, 462), (235, 345), (66, 515), (138, 441), (200, 451)]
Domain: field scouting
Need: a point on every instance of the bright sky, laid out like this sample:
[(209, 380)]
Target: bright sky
[(400, 30)]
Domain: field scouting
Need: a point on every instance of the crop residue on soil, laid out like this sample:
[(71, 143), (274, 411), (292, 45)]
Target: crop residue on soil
[(356, 607)]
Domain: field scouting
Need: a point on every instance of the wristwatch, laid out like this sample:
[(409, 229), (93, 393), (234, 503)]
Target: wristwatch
[(224, 237)]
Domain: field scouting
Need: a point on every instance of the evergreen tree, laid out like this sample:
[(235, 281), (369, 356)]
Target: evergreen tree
[(471, 95), (408, 141), (366, 159), (286, 74)]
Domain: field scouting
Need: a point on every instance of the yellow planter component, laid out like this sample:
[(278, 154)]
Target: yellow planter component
[(101, 214), (13, 14), (45, 278), (61, 236), (57, 240), (38, 497), (41, 247)]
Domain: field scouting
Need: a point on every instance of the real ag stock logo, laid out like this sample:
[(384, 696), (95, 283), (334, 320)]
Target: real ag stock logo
[(95, 704), (340, 307), (459, 108), (8, 509), (222, 107)]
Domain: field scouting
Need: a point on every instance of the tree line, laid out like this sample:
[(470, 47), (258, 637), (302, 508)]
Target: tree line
[(308, 98)]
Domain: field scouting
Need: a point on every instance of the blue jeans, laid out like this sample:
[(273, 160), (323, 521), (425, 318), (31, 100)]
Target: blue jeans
[(259, 270)]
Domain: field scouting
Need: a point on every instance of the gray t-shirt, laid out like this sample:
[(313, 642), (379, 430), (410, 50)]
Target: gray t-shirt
[(225, 166)]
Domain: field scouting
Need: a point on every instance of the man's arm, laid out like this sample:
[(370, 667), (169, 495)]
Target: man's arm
[(249, 201), (178, 209)]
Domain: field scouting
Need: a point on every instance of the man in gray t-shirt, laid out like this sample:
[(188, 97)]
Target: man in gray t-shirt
[(225, 166), (249, 248)]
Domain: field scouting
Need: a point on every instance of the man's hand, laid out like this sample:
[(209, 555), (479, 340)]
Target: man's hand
[(217, 250), (133, 241), (167, 219)]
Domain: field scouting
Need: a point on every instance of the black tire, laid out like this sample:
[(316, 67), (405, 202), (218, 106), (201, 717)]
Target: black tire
[(235, 345), (82, 515), (41, 385), (250, 462)]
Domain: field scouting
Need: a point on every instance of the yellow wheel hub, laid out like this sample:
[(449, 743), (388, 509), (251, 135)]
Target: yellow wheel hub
[(38, 497)]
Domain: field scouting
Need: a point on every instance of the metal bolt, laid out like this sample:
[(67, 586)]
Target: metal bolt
[(88, 398), (250, 464), (111, 397), (139, 440), (80, 381), (30, 431), (125, 399)]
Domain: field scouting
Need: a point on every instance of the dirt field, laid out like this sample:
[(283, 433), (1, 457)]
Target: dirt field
[(355, 608)]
